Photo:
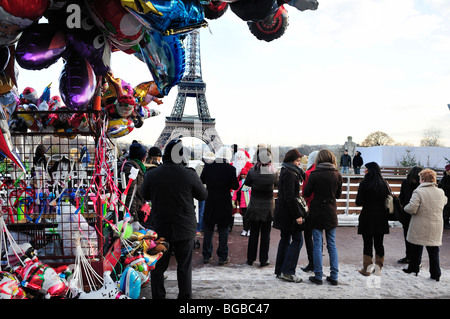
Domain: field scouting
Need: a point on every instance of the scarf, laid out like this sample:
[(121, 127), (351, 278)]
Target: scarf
[(141, 165), (293, 168)]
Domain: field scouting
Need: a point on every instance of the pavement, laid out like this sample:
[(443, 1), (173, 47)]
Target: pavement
[(238, 280)]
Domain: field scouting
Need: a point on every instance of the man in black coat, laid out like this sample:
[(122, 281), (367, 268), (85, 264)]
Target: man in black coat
[(220, 178), (171, 188)]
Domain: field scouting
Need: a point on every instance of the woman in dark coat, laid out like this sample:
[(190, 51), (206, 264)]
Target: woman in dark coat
[(219, 178), (288, 217), (325, 182), (408, 186), (373, 219), (262, 178)]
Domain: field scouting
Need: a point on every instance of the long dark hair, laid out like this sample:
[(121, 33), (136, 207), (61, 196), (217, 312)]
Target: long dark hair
[(413, 175), (373, 178)]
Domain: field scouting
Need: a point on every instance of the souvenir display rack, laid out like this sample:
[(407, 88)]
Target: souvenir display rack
[(53, 206)]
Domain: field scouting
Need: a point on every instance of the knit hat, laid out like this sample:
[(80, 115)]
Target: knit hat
[(137, 151), (154, 151)]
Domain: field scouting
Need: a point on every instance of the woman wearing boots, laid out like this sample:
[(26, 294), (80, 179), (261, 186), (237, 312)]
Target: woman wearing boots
[(426, 225), (373, 220)]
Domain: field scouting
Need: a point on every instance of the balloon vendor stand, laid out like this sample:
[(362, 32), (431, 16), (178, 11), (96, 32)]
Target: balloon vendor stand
[(59, 207)]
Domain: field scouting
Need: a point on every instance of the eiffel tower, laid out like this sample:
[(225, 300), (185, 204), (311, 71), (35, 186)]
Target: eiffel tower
[(191, 85)]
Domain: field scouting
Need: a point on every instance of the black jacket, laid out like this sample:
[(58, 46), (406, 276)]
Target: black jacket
[(373, 219), (357, 161), (325, 182), (287, 209), (346, 160), (220, 179), (172, 188), (261, 206)]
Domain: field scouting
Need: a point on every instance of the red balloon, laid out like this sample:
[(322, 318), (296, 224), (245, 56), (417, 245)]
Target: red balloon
[(120, 26), (30, 9)]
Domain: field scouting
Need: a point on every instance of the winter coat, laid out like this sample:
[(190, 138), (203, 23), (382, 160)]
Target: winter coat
[(406, 191), (138, 199), (357, 161), (325, 182), (373, 218), (445, 185), (426, 206), (172, 188), (346, 160), (308, 172), (240, 196), (220, 179), (287, 208), (262, 203)]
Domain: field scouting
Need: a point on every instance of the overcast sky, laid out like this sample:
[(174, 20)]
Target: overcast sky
[(347, 69)]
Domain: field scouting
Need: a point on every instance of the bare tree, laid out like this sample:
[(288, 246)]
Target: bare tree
[(376, 139), (431, 137)]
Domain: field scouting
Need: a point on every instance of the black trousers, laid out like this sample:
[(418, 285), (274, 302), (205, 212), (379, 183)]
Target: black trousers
[(433, 256), (183, 251), (373, 241), (257, 228)]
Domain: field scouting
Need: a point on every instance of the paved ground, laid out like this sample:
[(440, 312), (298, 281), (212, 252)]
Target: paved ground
[(239, 281)]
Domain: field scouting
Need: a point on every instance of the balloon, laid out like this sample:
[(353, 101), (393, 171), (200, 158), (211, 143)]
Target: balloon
[(178, 16), (6, 146), (40, 46), (77, 83), (139, 264), (130, 283), (303, 5), (146, 92), (29, 9), (41, 278), (164, 56), (119, 26), (16, 15), (272, 27), (6, 83), (109, 290), (119, 127), (215, 9), (10, 287), (254, 10), (90, 43), (4, 58)]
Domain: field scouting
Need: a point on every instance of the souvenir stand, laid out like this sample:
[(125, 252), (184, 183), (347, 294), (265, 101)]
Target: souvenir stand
[(60, 200)]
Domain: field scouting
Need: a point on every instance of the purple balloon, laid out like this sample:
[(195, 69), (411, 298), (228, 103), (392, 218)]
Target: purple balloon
[(77, 83), (90, 43), (40, 46)]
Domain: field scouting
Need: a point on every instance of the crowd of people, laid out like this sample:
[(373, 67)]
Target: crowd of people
[(171, 186)]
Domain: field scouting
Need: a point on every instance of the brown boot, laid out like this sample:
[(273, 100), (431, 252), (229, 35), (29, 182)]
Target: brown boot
[(367, 261), (379, 261)]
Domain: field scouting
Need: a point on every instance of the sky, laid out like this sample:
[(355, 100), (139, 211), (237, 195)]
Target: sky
[(349, 68)]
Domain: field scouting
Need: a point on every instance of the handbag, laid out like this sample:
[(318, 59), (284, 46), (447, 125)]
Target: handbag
[(303, 206), (392, 205)]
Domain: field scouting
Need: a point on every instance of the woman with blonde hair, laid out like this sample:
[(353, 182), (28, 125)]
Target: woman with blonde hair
[(426, 225), (325, 182)]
